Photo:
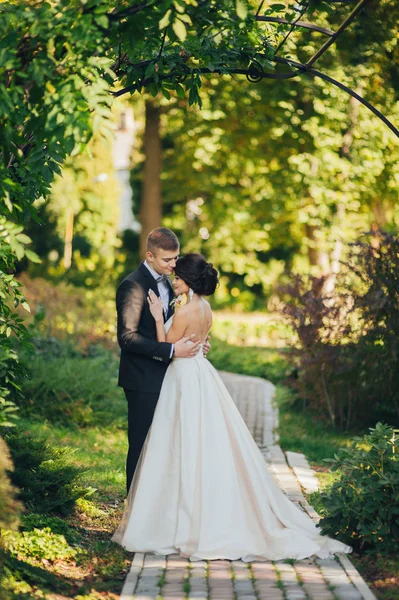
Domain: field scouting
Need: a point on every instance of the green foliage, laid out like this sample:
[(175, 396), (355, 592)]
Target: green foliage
[(183, 38), (82, 209), (71, 391), (31, 521), (360, 507), (259, 362), (38, 544), (12, 246), (10, 374), (48, 480), (62, 312), (270, 178), (250, 329), (348, 353), (9, 509), (53, 70)]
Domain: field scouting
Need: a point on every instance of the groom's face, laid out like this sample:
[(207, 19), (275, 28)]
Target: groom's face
[(163, 261)]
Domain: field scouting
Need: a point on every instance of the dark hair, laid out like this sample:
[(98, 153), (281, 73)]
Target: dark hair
[(162, 238), (200, 275)]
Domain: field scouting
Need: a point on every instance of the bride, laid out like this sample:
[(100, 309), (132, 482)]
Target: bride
[(202, 488)]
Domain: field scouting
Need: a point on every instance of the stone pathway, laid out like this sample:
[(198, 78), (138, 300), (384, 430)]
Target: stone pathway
[(175, 578)]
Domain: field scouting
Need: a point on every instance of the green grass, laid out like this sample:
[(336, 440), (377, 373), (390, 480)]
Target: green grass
[(268, 363), (102, 451), (300, 431)]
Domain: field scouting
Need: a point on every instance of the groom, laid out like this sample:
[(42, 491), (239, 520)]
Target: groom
[(144, 360)]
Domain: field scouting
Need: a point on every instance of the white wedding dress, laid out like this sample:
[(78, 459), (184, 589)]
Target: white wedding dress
[(202, 488)]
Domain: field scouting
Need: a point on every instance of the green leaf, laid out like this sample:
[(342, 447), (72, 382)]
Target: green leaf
[(102, 21), (32, 256), (186, 18), (241, 9), (165, 21), (180, 91), (8, 202), (26, 306), (24, 239), (180, 30)]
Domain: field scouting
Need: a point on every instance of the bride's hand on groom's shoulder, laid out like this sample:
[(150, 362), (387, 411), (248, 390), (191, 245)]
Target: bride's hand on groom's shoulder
[(187, 347), (156, 306)]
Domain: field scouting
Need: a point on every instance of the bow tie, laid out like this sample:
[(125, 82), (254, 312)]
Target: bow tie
[(162, 278)]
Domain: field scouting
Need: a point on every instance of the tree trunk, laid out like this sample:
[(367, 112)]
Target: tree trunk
[(68, 239), (151, 200), (379, 213), (316, 256)]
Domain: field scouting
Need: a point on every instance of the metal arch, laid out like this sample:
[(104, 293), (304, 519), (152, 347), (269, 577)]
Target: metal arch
[(304, 69), (363, 101), (333, 36), (302, 24), (336, 35), (255, 73)]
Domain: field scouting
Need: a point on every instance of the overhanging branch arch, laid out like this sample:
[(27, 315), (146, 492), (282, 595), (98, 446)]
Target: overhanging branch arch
[(255, 71)]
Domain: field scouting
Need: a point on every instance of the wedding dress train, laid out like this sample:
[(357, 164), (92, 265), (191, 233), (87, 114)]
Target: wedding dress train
[(202, 488)]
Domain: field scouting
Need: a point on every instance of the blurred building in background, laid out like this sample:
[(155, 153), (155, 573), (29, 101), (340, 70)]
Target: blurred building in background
[(121, 152)]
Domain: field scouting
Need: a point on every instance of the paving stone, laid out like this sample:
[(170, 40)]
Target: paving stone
[(347, 592), (243, 587), (296, 594)]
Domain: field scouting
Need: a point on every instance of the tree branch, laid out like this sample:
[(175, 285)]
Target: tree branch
[(128, 12)]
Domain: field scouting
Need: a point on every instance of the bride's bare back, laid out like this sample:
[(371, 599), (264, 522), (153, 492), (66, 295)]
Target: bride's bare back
[(195, 318)]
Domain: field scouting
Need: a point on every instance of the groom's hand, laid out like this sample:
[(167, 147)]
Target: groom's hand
[(207, 345), (187, 347)]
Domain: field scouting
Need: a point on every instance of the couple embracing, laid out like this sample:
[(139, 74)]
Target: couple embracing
[(197, 483)]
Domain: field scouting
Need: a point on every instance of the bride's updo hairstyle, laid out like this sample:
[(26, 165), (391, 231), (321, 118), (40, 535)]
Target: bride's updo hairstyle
[(199, 275)]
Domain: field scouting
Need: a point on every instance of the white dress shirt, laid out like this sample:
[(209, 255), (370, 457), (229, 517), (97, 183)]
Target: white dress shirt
[(163, 289)]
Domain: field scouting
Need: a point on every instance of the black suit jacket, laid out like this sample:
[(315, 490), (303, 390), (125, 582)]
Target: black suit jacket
[(143, 360)]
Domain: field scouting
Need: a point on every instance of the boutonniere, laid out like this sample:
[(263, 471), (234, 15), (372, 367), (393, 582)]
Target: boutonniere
[(178, 301)]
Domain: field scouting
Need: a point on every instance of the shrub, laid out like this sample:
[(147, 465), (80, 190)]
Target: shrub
[(79, 391), (61, 310), (38, 544), (31, 521), (347, 354), (360, 507), (47, 479), (11, 375), (9, 508)]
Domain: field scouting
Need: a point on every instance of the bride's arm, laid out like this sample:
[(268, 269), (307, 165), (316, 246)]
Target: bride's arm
[(178, 328), (156, 308)]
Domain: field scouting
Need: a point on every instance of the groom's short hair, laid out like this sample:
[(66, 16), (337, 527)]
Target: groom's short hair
[(162, 238)]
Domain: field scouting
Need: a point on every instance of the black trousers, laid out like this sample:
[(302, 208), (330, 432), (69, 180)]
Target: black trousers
[(141, 408)]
